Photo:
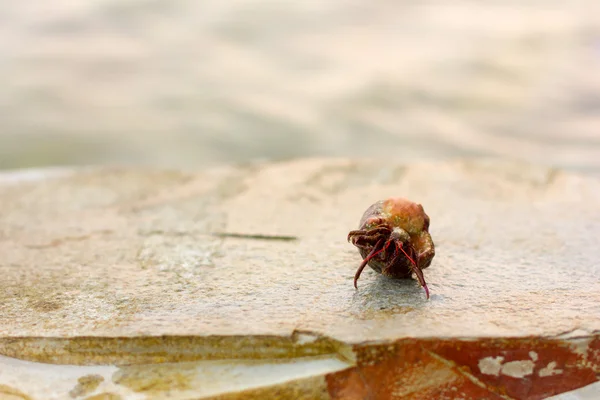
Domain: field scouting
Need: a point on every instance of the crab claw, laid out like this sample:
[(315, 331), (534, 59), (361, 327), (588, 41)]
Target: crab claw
[(421, 278)]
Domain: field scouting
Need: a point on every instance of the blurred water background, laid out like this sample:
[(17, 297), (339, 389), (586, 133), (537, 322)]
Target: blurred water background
[(183, 83)]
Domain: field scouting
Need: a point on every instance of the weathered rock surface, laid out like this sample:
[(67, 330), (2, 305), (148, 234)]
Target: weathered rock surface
[(240, 279)]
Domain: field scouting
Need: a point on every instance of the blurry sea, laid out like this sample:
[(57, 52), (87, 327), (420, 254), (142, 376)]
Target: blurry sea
[(185, 83)]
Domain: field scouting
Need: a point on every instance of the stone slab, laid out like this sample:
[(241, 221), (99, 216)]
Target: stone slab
[(130, 252), (128, 266)]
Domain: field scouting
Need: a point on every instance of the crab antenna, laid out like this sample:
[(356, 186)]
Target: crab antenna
[(406, 254), (378, 248)]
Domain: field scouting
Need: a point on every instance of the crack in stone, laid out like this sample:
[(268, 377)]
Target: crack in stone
[(255, 236), (575, 333), (66, 239), (467, 375)]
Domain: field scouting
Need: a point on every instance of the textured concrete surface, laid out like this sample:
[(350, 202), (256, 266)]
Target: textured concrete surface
[(123, 266)]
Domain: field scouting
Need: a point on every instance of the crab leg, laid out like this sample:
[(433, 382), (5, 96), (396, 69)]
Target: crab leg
[(371, 233), (376, 250), (354, 233)]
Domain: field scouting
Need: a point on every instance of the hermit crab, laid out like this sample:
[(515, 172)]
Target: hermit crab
[(393, 239)]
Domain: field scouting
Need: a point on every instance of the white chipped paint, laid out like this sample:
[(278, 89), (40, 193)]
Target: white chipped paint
[(581, 345), (490, 365), (47, 381), (550, 370), (305, 338), (518, 369), (589, 392)]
